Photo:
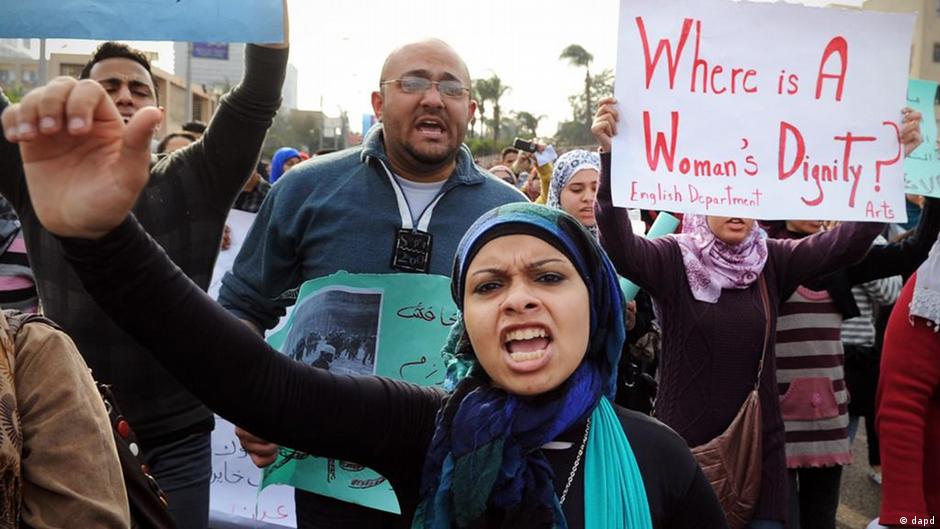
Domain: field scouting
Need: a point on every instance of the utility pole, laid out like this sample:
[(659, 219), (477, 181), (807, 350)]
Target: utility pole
[(43, 64), (189, 81)]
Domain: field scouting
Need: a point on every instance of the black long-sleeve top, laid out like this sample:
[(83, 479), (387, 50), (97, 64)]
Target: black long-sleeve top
[(184, 206), (900, 258), (381, 423)]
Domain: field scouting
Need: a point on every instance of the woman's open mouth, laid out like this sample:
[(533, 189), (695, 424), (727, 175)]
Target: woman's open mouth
[(528, 347)]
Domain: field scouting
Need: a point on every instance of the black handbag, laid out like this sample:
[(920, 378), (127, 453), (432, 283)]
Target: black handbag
[(147, 502)]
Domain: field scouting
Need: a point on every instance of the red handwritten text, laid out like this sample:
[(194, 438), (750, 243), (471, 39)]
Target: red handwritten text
[(737, 79), (819, 173), (839, 46)]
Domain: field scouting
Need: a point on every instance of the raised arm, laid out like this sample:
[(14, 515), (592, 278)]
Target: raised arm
[(820, 254), (83, 182), (370, 420), (823, 253), (228, 152), (900, 258), (545, 178), (648, 263)]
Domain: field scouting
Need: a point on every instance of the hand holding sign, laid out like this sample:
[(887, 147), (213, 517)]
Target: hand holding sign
[(262, 453), (922, 167), (604, 126), (911, 137)]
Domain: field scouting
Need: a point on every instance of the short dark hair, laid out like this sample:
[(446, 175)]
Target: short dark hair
[(508, 150), (161, 147), (119, 50), (195, 126)]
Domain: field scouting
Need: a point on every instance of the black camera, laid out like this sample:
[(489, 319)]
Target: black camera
[(523, 145)]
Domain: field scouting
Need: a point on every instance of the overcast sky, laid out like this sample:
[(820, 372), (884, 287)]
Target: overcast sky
[(339, 47)]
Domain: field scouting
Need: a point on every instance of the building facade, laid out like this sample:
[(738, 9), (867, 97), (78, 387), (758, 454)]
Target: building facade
[(925, 47), (19, 73), (218, 66)]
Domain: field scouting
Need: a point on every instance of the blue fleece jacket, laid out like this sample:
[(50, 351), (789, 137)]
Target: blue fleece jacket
[(338, 212)]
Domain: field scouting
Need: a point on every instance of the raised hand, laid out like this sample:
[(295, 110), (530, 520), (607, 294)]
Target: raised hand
[(84, 167), (604, 126), (910, 130)]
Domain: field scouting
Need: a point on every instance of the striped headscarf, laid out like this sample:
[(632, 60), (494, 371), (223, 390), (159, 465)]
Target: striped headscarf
[(484, 462)]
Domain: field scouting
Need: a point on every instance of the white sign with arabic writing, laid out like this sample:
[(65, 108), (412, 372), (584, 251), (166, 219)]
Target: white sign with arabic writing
[(235, 480)]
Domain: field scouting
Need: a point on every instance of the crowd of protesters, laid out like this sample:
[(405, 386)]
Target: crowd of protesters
[(576, 407)]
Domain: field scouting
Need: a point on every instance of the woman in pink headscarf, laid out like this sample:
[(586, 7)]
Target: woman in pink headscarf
[(717, 287)]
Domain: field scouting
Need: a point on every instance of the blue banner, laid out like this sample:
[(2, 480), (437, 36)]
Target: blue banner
[(181, 20)]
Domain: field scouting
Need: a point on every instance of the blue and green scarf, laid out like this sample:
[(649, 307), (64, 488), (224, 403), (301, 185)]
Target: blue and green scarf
[(485, 467)]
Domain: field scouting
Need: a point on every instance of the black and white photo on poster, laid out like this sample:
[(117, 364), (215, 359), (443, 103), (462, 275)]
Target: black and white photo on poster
[(337, 329)]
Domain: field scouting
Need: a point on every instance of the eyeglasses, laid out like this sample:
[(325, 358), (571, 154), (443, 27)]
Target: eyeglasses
[(420, 85)]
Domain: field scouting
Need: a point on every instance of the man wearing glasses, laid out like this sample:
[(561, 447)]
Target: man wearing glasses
[(398, 203)]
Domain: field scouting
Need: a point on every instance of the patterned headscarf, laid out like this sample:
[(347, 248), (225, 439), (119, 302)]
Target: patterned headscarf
[(484, 461), (566, 166), (711, 265)]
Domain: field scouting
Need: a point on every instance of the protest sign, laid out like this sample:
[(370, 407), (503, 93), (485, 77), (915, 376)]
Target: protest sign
[(182, 20), (239, 222), (391, 325), (234, 485), (771, 111), (922, 167)]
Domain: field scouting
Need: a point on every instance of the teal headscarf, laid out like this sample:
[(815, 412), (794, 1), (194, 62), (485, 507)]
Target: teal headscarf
[(485, 467)]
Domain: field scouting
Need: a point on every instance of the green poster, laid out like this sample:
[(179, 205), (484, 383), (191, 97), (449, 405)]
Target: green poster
[(922, 167), (391, 325)]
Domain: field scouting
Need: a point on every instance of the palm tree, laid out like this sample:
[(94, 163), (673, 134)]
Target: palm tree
[(498, 91), (528, 122), (579, 57), (492, 89), (481, 93)]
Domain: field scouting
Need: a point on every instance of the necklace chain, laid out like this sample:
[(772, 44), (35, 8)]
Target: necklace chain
[(577, 463)]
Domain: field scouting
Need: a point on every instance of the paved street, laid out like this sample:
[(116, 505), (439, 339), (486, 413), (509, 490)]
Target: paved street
[(860, 496)]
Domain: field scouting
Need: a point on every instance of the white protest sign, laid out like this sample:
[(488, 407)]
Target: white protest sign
[(235, 480), (770, 111), (239, 222)]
